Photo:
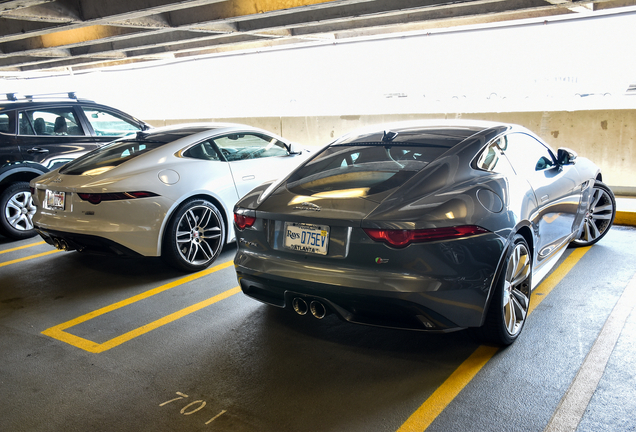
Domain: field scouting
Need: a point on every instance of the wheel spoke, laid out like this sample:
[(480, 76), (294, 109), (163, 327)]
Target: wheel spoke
[(520, 303), (183, 236), (509, 315), (206, 250)]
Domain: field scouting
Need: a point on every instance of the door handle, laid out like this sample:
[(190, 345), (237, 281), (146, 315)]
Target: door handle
[(37, 150), (248, 177)]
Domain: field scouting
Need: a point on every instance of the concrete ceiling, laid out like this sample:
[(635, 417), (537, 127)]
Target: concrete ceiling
[(55, 35)]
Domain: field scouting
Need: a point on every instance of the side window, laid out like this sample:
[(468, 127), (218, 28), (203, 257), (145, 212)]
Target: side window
[(527, 155), (6, 123), (492, 159), (108, 124), (52, 121), (204, 150), (250, 146)]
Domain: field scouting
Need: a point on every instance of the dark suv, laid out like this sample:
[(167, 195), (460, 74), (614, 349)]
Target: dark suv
[(40, 133)]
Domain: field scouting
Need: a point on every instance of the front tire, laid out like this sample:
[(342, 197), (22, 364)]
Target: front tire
[(17, 209), (508, 309), (194, 236), (599, 216)]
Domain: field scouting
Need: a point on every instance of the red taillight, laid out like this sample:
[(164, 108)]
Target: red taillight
[(243, 221), (96, 198), (403, 238)]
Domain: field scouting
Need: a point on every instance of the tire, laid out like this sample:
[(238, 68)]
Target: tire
[(508, 309), (194, 236), (16, 205), (599, 216)]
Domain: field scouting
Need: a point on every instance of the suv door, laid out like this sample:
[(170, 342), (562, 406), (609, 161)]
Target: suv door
[(9, 150), (52, 136)]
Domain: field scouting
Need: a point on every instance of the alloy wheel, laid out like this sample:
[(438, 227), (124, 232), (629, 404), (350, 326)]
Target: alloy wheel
[(516, 290), (198, 235), (19, 211), (598, 217)]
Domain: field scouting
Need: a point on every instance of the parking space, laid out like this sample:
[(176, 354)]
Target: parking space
[(103, 343)]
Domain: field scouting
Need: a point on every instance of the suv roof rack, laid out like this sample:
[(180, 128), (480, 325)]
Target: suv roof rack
[(31, 97)]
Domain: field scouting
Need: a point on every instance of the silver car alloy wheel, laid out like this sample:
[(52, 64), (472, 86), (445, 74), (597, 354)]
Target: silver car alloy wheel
[(19, 211), (516, 295), (198, 235), (599, 215)]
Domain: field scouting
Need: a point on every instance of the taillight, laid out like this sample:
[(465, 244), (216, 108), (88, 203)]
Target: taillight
[(96, 198), (243, 221), (403, 238)]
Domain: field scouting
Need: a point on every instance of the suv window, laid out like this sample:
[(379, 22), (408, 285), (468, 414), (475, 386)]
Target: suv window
[(250, 146), (5, 123), (51, 121), (106, 123)]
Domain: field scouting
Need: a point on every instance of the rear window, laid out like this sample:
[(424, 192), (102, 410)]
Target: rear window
[(108, 157), (372, 167)]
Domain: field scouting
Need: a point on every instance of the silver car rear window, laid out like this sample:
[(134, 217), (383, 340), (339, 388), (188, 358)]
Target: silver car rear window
[(376, 167), (109, 156)]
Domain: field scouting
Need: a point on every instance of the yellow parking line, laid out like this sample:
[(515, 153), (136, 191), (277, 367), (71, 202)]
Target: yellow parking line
[(23, 247), (28, 258), (57, 332), (422, 418)]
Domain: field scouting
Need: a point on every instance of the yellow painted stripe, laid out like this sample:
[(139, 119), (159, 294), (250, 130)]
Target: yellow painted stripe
[(439, 400), (422, 418), (15, 261), (57, 332), (94, 347), (23, 247)]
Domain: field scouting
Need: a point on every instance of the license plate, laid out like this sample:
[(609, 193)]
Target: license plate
[(54, 200), (307, 238)]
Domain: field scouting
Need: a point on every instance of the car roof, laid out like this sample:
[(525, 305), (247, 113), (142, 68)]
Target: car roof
[(171, 133), (441, 132)]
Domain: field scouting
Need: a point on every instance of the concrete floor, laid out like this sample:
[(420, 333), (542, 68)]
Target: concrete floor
[(148, 363)]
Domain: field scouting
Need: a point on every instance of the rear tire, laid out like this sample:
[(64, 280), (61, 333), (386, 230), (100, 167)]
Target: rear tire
[(508, 309), (16, 205), (194, 236)]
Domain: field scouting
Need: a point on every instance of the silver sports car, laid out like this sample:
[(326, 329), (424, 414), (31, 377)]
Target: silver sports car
[(434, 226), (165, 192)]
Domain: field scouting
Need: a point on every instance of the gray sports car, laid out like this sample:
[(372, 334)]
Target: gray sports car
[(435, 226)]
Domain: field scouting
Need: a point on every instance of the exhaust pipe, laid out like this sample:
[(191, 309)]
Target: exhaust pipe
[(318, 310), (300, 306)]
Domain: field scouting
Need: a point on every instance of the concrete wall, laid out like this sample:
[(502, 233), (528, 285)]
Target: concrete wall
[(606, 137)]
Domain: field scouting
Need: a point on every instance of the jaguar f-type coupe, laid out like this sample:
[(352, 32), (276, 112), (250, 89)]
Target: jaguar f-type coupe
[(435, 226), (165, 192)]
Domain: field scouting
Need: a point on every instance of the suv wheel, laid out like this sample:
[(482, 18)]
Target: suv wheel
[(17, 210)]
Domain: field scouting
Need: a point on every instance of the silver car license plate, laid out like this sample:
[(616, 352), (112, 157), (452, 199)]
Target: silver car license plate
[(54, 200), (307, 237)]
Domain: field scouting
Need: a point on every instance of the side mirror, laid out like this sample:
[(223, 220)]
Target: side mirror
[(565, 156), (295, 149)]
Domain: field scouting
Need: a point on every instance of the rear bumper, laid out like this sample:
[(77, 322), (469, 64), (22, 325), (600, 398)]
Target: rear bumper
[(84, 243), (421, 299)]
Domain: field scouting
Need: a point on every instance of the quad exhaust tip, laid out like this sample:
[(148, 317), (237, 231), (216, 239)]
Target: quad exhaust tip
[(317, 309), (300, 306)]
